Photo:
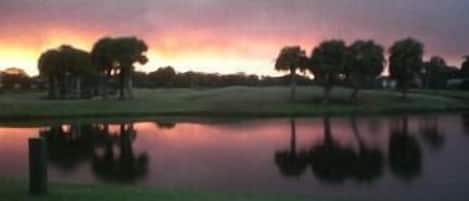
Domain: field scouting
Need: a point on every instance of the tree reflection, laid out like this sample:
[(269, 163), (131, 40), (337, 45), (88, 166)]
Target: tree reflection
[(70, 145), (289, 161), (330, 161), (465, 123), (405, 155), (431, 133), (334, 163), (124, 166), (369, 162), (165, 125)]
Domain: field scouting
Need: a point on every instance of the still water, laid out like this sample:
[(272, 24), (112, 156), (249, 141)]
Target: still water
[(415, 157)]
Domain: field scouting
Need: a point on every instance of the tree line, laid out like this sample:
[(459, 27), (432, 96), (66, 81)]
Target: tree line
[(333, 62), (109, 69), (167, 77)]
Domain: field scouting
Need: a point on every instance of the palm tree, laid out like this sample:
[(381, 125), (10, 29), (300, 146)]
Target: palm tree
[(119, 54), (327, 62), (366, 62), (291, 59), (405, 62)]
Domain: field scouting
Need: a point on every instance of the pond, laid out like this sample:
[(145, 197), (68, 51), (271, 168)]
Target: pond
[(415, 157)]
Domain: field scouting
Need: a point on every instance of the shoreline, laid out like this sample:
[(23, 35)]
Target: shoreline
[(230, 102), (196, 118), (14, 189)]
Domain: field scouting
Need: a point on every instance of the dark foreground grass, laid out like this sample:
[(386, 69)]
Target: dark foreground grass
[(228, 102), (17, 191)]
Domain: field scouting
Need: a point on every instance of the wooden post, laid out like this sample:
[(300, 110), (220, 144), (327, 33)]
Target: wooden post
[(37, 166)]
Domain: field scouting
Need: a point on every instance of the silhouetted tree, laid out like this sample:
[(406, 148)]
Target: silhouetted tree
[(49, 65), (291, 163), (163, 77), (77, 65), (120, 55), (436, 73), (327, 62), (64, 67), (405, 62), (366, 62), (405, 155), (291, 59), (14, 78)]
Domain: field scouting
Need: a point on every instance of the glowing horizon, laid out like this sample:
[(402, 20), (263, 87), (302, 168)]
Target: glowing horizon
[(226, 36)]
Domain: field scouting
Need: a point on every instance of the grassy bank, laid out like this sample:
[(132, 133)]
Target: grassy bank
[(231, 101), (17, 191)]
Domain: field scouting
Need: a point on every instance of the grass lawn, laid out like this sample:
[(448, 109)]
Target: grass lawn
[(18, 191), (230, 101)]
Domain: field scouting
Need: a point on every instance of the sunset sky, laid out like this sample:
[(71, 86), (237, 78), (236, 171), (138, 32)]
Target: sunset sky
[(227, 36)]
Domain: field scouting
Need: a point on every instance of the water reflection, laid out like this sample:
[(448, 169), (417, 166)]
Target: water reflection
[(465, 123), (70, 145), (335, 162), (330, 161), (364, 158), (369, 162), (124, 166), (290, 162), (405, 154), (165, 125), (111, 152), (431, 132)]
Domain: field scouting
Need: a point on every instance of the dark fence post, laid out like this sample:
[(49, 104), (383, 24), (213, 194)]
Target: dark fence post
[(37, 166)]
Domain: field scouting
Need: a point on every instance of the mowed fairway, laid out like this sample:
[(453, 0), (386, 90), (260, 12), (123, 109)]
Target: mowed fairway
[(230, 101)]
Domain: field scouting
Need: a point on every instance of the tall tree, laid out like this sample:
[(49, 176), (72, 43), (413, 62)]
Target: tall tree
[(366, 62), (327, 62), (120, 54), (291, 59), (102, 57), (64, 65), (48, 65), (77, 65), (405, 62), (435, 73)]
